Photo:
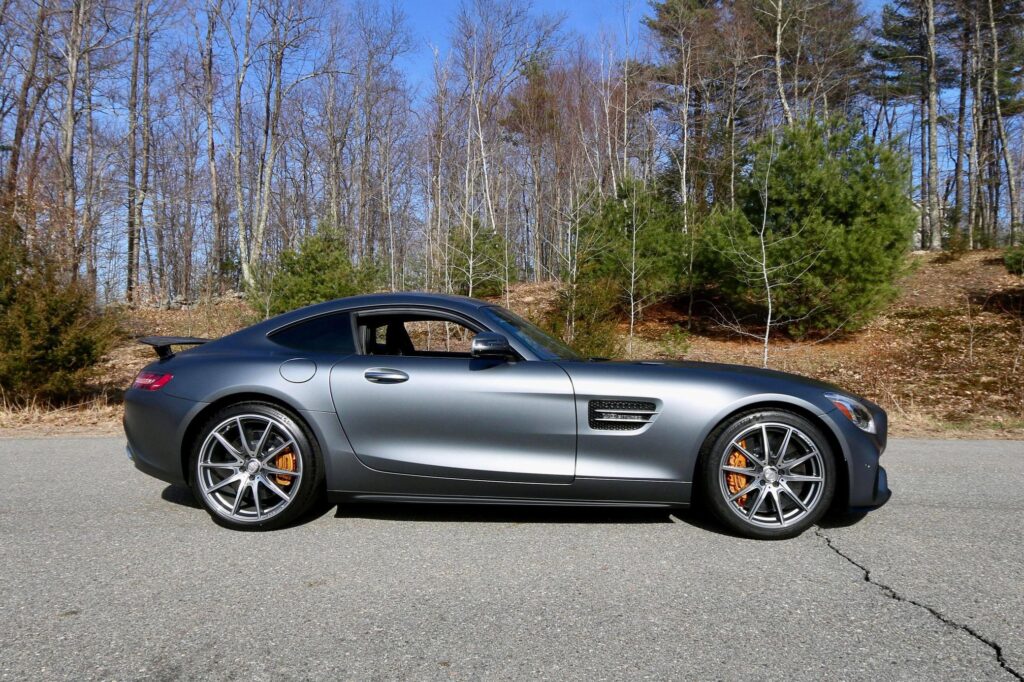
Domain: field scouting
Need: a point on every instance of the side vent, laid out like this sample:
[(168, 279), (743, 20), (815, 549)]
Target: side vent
[(620, 415)]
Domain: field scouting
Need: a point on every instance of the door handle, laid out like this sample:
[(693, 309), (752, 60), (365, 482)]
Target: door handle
[(383, 375)]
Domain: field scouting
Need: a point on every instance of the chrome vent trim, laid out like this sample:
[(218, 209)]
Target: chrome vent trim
[(620, 415)]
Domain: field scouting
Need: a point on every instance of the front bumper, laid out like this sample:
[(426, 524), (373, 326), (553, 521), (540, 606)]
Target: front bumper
[(867, 481), (881, 493)]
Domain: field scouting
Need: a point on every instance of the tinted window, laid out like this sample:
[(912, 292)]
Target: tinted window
[(324, 334)]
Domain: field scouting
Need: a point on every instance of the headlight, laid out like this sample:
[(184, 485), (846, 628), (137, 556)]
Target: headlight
[(853, 411)]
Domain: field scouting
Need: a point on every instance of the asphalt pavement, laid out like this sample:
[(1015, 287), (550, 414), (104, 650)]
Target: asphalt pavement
[(106, 573)]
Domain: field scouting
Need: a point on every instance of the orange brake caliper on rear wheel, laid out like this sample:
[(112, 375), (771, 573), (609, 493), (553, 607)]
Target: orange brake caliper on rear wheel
[(286, 461), (737, 482)]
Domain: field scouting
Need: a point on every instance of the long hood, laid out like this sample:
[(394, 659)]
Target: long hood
[(699, 383)]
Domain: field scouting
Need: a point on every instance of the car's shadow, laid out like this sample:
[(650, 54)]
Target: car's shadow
[(181, 495), (526, 514), (539, 514)]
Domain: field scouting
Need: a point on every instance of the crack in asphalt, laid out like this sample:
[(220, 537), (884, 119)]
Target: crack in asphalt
[(888, 591)]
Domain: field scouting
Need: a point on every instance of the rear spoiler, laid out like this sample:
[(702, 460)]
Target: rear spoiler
[(162, 344)]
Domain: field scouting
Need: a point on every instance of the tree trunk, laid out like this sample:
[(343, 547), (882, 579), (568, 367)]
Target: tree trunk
[(779, 83), (132, 274), (219, 246), (961, 120), (1004, 142), (934, 218)]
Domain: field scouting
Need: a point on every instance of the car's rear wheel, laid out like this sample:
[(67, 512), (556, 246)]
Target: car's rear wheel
[(769, 474), (253, 467)]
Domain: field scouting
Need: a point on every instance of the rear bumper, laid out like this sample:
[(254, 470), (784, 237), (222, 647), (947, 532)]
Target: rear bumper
[(154, 425)]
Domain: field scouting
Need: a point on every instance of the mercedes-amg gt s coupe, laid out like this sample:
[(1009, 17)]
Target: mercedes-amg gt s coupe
[(429, 398)]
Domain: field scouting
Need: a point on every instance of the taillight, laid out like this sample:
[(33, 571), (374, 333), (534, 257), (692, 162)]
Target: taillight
[(151, 381)]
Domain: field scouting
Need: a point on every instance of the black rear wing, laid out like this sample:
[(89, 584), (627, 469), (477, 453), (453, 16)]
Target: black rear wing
[(162, 344)]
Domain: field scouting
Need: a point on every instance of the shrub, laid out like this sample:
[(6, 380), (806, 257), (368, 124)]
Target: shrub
[(837, 228), (477, 266), (586, 317), (319, 270), (1013, 259), (636, 245), (51, 336), (675, 343)]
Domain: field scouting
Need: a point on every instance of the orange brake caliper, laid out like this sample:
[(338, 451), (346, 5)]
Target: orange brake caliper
[(286, 461), (737, 482)]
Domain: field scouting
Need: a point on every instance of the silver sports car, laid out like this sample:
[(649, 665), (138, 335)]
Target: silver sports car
[(428, 398)]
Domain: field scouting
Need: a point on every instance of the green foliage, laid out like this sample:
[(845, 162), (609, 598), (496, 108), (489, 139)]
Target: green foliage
[(478, 264), (51, 336), (1013, 259), (319, 270), (640, 251), (586, 317), (675, 343), (837, 227), (631, 251)]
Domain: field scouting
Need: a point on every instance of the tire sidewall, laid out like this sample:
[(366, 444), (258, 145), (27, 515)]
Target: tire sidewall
[(720, 439), (309, 483)]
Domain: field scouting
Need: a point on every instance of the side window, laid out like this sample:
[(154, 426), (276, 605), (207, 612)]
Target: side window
[(414, 334), (325, 334), (439, 336)]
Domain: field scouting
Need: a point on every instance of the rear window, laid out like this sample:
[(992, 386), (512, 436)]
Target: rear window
[(325, 334)]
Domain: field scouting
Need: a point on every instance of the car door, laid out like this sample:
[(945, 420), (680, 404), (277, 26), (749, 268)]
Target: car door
[(439, 412)]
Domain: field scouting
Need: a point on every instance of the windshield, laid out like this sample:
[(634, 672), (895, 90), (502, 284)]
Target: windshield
[(543, 345)]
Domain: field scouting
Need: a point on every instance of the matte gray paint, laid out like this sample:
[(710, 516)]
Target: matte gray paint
[(482, 430)]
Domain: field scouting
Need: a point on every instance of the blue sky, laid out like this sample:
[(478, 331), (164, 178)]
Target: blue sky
[(430, 21)]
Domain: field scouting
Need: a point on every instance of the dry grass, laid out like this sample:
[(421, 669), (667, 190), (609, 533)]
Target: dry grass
[(947, 359)]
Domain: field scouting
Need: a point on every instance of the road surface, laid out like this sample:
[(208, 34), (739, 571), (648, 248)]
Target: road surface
[(107, 573)]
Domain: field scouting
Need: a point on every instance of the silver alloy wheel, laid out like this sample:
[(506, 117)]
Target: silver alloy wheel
[(237, 472), (779, 479)]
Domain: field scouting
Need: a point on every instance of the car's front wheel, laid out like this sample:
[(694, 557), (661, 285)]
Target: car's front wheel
[(769, 474), (253, 467)]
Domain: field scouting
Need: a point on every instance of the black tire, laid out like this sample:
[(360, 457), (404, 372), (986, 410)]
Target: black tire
[(252, 414), (806, 500)]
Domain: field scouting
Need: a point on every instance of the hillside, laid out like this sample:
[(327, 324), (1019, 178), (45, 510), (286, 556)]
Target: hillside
[(946, 359)]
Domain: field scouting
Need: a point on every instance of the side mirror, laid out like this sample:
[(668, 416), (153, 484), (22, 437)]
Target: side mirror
[(491, 345)]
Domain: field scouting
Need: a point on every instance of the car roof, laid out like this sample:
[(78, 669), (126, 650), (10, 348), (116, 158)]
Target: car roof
[(458, 304)]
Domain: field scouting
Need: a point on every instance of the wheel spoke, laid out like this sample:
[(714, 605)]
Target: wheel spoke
[(263, 439), (747, 454), (274, 489), (794, 478), (242, 487), (226, 482), (778, 506), (757, 504), (220, 465), (785, 446), (739, 470), (743, 492), (798, 461), (242, 436), (276, 451), (232, 450), (764, 444), (793, 496), (256, 496), (281, 472)]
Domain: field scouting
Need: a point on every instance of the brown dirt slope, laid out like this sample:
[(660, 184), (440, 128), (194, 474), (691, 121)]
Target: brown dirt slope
[(946, 360)]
